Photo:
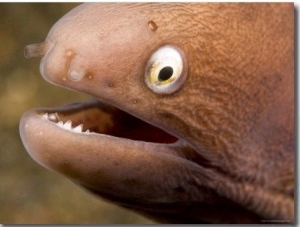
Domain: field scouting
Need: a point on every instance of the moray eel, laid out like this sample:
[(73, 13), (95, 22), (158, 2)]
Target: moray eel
[(192, 119)]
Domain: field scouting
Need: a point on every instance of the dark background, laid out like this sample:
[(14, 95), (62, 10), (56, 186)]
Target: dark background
[(30, 194)]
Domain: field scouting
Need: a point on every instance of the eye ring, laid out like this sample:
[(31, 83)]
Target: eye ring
[(165, 71)]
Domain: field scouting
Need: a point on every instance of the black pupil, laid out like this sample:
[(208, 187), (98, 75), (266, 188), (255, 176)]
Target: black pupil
[(165, 73)]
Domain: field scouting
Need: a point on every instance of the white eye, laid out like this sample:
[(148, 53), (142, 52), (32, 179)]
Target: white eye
[(165, 72)]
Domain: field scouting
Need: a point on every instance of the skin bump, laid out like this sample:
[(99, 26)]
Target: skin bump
[(152, 25)]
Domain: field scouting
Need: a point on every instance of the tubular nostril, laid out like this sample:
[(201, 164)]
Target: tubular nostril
[(35, 50)]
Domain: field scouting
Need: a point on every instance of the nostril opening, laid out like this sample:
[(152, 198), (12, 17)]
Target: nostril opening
[(35, 50)]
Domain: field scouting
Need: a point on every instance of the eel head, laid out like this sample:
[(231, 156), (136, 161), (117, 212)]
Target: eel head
[(156, 138)]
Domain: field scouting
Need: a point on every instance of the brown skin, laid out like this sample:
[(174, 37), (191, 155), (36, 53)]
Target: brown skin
[(233, 116)]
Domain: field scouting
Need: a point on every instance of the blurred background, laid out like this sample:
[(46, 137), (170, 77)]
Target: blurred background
[(30, 194)]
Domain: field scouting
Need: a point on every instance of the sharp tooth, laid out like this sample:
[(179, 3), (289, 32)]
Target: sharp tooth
[(45, 116), (53, 117), (78, 128), (68, 125), (60, 124)]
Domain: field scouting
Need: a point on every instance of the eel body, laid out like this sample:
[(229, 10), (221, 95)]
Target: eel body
[(193, 116)]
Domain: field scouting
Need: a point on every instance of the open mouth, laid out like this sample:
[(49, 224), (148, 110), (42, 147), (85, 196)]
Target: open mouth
[(98, 146), (49, 134), (95, 117)]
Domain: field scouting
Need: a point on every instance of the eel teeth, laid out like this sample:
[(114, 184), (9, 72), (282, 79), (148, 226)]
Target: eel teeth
[(53, 117), (68, 125), (45, 116), (78, 128), (60, 124)]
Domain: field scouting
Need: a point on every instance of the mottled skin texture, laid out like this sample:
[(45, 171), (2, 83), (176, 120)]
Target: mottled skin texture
[(234, 116)]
